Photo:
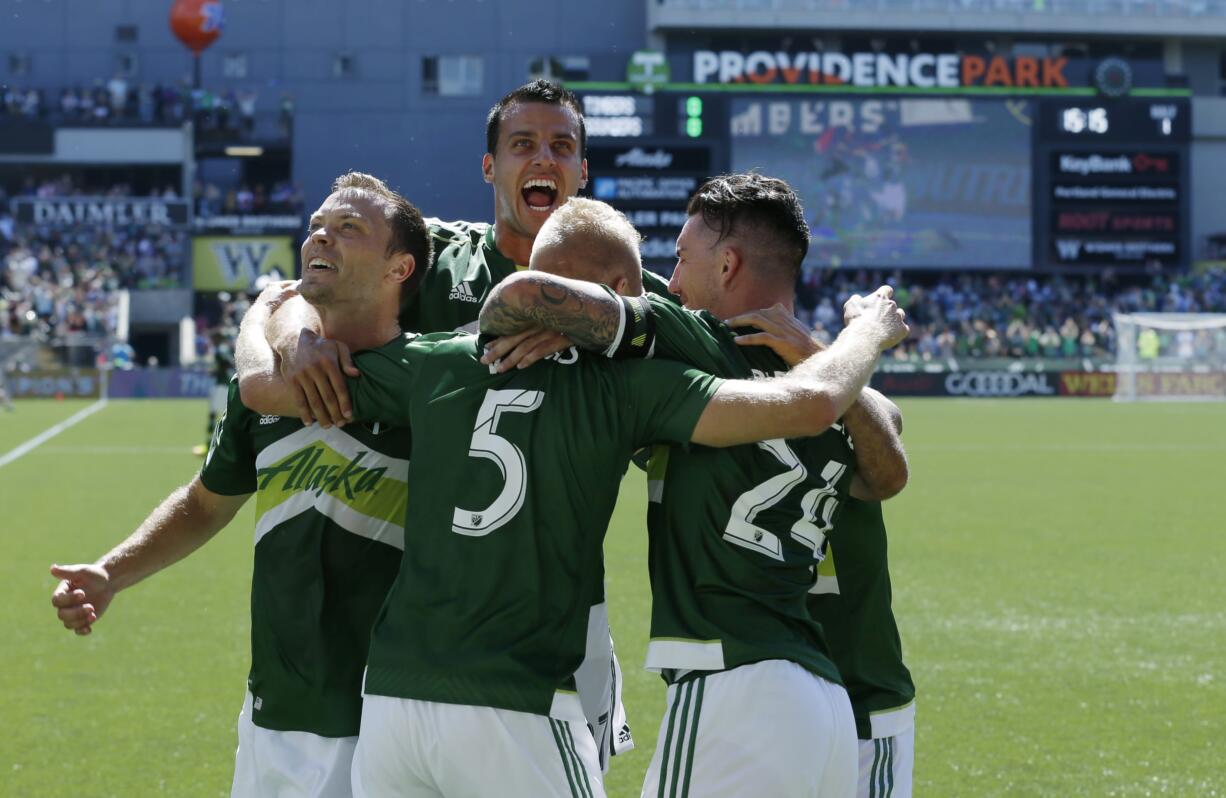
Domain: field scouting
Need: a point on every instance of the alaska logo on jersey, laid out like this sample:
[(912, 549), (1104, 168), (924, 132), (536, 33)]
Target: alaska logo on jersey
[(463, 293), (307, 473), (332, 473)]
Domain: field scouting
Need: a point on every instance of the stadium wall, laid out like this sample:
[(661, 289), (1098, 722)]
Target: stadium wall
[(371, 111)]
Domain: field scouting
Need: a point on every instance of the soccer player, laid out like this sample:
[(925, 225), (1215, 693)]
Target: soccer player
[(219, 394), (534, 160), (852, 603), (330, 506), (514, 478), (851, 599), (724, 619)]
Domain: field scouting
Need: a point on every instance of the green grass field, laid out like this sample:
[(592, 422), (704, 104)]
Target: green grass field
[(1058, 570)]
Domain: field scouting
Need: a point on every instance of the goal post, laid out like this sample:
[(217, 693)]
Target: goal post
[(1170, 356)]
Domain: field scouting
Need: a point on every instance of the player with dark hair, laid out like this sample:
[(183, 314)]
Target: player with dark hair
[(536, 142), (330, 507), (514, 477), (735, 534)]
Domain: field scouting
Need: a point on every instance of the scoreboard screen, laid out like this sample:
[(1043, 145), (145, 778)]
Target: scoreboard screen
[(1110, 183), (898, 183)]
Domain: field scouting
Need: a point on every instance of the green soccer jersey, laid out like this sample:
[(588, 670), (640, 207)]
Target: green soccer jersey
[(736, 533), (851, 600), (467, 264), (514, 479), (329, 530)]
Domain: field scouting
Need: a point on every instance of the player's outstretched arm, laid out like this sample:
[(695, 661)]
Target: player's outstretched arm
[(873, 421), (182, 523), (815, 393)]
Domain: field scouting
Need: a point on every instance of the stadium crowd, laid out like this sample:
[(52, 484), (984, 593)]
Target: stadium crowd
[(56, 282), (119, 101), (1012, 316)]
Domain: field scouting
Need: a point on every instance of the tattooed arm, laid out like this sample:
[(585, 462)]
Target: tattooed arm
[(588, 314)]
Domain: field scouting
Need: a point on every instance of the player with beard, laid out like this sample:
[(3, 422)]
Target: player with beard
[(469, 652)]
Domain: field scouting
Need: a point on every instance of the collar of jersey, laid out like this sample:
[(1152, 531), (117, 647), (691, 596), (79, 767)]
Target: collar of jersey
[(502, 259)]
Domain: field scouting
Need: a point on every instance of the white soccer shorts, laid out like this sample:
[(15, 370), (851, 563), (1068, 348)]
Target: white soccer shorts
[(289, 764), (599, 684), (770, 728), (885, 766), (425, 749)]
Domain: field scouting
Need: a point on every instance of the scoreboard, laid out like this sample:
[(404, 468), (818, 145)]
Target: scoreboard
[(646, 156), (933, 182), (1110, 182)]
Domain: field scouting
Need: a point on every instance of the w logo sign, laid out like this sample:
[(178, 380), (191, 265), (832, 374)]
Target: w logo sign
[(241, 261), (1069, 249)]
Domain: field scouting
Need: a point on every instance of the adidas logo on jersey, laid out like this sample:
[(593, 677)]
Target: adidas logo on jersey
[(463, 292), (269, 420)]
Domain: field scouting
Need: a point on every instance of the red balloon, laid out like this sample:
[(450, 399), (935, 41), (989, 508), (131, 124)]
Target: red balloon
[(197, 23)]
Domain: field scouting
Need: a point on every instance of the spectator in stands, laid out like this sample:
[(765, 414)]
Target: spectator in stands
[(246, 109), (117, 88)]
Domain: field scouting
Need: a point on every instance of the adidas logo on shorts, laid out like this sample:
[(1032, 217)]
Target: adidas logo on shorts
[(269, 420), (463, 292)]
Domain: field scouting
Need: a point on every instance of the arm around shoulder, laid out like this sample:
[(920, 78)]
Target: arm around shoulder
[(745, 411)]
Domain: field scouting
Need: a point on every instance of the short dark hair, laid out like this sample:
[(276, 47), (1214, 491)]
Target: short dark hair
[(538, 91), (409, 231), (753, 206)]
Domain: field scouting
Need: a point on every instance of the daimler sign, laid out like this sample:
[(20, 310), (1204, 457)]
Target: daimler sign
[(100, 211)]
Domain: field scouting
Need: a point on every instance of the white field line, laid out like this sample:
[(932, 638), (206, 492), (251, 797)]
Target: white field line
[(108, 450), (50, 433)]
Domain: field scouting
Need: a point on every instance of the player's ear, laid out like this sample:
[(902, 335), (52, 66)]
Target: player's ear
[(583, 173), (401, 268), (620, 285), (731, 263), (487, 168)]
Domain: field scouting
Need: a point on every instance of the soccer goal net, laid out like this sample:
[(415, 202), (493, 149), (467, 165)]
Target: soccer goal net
[(1169, 356)]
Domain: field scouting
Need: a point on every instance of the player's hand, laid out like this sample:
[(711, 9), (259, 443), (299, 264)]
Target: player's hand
[(523, 349), (781, 331), (83, 594), (880, 315), (316, 370), (277, 292)]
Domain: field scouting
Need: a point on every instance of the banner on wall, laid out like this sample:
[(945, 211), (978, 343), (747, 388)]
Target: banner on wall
[(235, 263)]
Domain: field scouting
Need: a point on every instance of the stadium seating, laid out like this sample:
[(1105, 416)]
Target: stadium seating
[(1036, 316)]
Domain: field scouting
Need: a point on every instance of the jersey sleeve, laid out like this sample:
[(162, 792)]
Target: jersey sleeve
[(688, 336), (388, 373), (655, 284), (229, 467), (667, 399)]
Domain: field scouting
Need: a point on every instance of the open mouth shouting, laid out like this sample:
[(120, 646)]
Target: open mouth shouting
[(540, 194)]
